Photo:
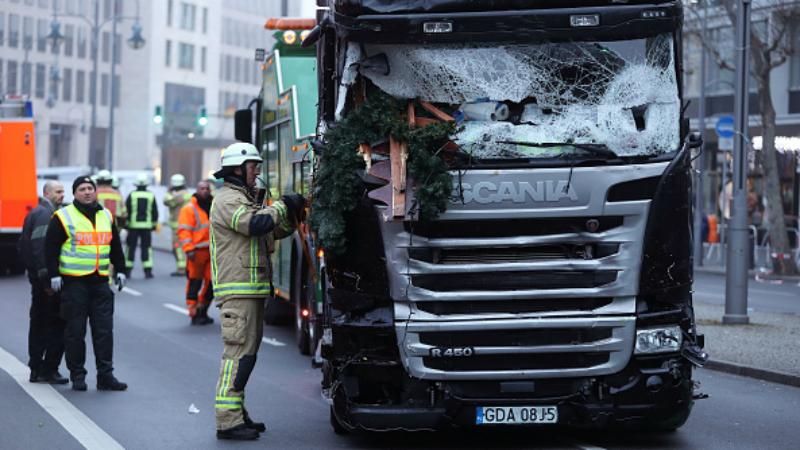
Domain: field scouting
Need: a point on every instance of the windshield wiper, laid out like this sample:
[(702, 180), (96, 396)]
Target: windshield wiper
[(593, 149)]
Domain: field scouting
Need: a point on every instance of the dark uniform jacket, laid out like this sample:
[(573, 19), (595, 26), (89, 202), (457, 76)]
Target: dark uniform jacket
[(31, 243), (139, 210), (56, 236)]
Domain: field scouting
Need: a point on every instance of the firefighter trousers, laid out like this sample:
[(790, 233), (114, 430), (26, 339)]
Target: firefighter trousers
[(46, 332), (242, 330), (177, 250), (144, 239), (199, 291), (92, 300)]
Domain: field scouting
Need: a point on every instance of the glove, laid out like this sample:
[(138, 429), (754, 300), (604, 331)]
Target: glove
[(56, 283), (296, 204), (120, 280)]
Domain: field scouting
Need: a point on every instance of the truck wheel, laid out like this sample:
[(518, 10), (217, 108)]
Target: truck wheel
[(299, 294), (301, 328), (670, 423), (277, 312), (337, 426)]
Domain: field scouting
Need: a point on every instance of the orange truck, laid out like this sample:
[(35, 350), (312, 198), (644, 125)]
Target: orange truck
[(17, 177)]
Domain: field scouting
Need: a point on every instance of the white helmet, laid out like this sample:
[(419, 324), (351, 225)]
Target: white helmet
[(142, 180), (236, 154), (103, 176), (115, 182), (177, 181)]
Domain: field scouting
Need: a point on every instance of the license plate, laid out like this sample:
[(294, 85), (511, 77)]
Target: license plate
[(515, 415)]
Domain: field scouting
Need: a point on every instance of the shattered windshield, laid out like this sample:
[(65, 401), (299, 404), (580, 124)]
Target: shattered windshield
[(615, 98)]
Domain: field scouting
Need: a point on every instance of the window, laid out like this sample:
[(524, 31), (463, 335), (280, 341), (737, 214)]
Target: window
[(1, 76), (69, 39), (794, 59), (92, 86), (13, 30), (80, 86), (2, 29), (107, 9), (81, 42), (106, 48), (185, 56), (104, 89), (67, 91), (115, 91), (228, 68), (203, 59), (237, 74), (70, 6), (27, 33), (26, 77), (187, 16), (82, 7), (721, 39), (54, 82), (43, 29), (117, 48), (11, 81), (205, 20), (168, 53), (43, 4), (169, 13)]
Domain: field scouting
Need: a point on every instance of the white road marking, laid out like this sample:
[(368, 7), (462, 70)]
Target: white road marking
[(583, 446), (177, 308), (272, 341), (74, 421), (133, 292)]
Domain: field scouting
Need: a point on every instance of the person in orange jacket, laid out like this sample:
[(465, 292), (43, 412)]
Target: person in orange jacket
[(193, 238)]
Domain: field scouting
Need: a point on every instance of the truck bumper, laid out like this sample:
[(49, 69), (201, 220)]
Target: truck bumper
[(637, 396)]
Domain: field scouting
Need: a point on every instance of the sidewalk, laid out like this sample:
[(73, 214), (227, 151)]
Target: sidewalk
[(754, 273), (767, 348)]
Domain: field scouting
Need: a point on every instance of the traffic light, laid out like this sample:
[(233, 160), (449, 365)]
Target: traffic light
[(158, 117), (202, 117)]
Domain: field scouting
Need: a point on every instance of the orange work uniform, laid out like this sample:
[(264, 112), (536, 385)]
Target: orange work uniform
[(194, 239)]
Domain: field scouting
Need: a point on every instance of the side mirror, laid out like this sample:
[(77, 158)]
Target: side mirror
[(694, 140), (243, 125)]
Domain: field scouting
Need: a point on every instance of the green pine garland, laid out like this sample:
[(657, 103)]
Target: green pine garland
[(338, 186)]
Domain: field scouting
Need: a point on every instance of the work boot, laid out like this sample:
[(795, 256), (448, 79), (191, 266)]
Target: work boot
[(110, 383), (178, 273), (79, 384), (258, 426), (52, 378), (148, 273), (240, 432), (34, 378)]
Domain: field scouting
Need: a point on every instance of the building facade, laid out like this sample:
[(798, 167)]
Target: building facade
[(198, 59)]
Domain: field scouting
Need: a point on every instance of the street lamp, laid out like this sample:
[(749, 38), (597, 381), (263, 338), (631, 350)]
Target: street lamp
[(136, 41)]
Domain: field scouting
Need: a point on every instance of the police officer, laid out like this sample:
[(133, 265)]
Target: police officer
[(176, 198), (242, 235), (110, 197), (46, 332), (81, 242), (143, 218)]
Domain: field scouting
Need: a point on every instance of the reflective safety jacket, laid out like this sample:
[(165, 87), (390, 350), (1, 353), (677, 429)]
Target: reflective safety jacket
[(193, 227), (239, 260), (88, 247), (175, 201), (142, 209), (112, 200)]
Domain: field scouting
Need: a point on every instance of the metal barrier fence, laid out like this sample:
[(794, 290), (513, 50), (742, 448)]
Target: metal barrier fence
[(715, 254)]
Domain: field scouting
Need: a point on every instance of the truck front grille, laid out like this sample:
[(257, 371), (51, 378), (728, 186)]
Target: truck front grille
[(517, 362), (513, 306), (515, 281)]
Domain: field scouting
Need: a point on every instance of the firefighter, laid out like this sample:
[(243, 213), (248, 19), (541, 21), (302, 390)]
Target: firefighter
[(46, 332), (110, 197), (193, 235), (242, 235), (81, 243), (176, 198), (142, 221)]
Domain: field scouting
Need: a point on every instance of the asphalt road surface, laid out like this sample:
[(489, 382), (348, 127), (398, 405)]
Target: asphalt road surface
[(171, 366)]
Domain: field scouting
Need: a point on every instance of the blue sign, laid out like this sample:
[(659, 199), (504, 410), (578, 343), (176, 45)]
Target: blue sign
[(725, 127)]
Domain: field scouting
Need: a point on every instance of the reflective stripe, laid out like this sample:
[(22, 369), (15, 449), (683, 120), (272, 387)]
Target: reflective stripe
[(235, 220), (280, 208), (202, 245), (229, 400), (185, 227), (87, 247), (91, 256), (242, 288), (226, 371)]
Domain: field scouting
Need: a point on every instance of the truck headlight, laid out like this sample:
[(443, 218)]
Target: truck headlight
[(658, 340)]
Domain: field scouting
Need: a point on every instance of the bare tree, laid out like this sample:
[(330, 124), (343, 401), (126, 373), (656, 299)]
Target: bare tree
[(770, 47)]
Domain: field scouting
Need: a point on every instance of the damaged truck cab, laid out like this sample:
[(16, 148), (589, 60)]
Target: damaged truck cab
[(555, 286)]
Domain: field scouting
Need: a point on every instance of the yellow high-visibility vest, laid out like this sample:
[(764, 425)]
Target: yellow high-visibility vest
[(88, 248)]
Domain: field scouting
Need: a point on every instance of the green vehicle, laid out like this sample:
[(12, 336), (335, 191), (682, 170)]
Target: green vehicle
[(285, 118)]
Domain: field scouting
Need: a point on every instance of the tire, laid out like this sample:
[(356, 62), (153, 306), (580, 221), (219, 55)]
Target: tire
[(337, 426), (277, 312), (299, 294), (671, 423)]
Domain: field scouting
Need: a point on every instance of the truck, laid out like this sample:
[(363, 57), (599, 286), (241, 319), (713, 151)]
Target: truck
[(18, 194), (285, 116)]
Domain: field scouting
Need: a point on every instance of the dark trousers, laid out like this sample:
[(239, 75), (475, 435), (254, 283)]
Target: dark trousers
[(144, 239), (93, 300), (46, 332)]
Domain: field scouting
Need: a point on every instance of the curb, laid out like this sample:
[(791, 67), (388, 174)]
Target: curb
[(773, 376)]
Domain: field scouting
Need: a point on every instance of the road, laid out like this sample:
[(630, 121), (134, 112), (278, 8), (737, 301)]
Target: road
[(171, 365)]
